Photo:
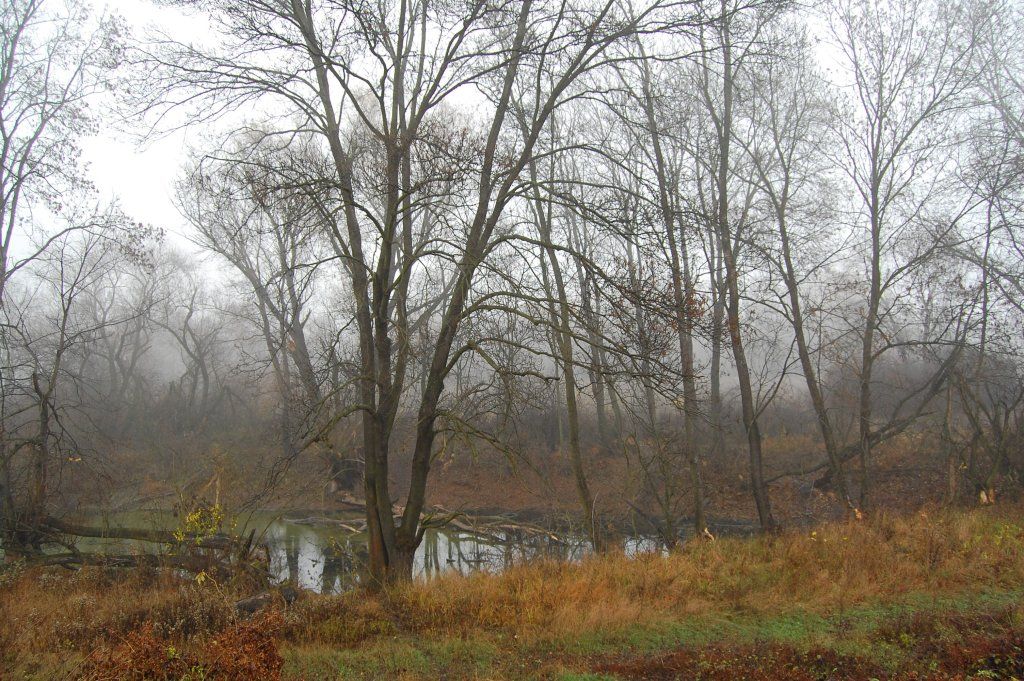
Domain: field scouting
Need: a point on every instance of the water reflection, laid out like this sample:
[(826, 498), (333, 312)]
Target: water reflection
[(324, 554), (313, 558), (317, 558)]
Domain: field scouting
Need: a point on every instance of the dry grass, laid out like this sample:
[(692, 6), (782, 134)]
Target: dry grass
[(50, 619), (829, 568), (57, 617)]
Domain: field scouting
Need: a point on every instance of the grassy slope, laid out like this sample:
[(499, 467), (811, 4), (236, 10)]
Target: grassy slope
[(843, 588), (882, 639), (927, 596)]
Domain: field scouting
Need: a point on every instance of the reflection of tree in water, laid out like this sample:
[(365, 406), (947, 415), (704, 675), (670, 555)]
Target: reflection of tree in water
[(291, 556), (480, 552), (441, 551), (431, 554), (465, 552), (332, 562)]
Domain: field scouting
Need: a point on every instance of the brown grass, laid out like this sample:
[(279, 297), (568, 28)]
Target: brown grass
[(45, 616), (243, 651), (833, 566), (59, 608)]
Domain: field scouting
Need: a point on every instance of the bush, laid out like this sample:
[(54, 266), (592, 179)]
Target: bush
[(243, 651), (247, 650)]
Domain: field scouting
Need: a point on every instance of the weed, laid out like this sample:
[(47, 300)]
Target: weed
[(929, 595)]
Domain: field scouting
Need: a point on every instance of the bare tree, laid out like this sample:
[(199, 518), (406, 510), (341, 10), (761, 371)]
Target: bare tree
[(383, 73), (260, 210), (731, 42), (910, 65), (55, 60), (45, 326), (686, 306), (790, 120)]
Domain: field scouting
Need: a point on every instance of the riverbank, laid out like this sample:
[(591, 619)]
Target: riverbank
[(931, 595)]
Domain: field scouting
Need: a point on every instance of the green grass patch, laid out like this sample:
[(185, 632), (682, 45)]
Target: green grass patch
[(854, 631)]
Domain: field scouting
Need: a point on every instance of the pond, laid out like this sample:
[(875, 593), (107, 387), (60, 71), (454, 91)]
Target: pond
[(329, 561), (317, 553)]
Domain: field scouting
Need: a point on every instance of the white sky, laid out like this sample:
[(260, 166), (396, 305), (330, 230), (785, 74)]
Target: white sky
[(141, 174), (141, 178)]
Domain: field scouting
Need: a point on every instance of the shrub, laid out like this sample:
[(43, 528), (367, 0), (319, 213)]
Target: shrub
[(247, 650), (142, 654)]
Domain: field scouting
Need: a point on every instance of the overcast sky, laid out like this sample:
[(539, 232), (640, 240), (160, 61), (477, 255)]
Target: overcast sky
[(142, 174)]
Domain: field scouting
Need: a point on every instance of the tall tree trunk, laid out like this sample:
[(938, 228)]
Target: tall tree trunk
[(806, 362), (690, 404), (716, 445), (596, 368), (750, 419), (864, 412), (566, 360), (952, 462), (683, 294)]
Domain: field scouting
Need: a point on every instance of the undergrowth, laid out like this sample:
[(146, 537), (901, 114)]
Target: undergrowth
[(879, 598)]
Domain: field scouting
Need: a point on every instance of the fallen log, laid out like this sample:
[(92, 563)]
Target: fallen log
[(119, 560), (190, 563), (153, 536), (490, 526)]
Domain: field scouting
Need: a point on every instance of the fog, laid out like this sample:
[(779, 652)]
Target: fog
[(635, 271)]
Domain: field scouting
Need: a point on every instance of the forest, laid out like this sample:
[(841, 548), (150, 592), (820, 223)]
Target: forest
[(568, 339)]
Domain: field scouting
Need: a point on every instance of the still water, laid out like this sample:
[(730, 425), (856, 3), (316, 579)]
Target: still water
[(329, 561), (316, 553)]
